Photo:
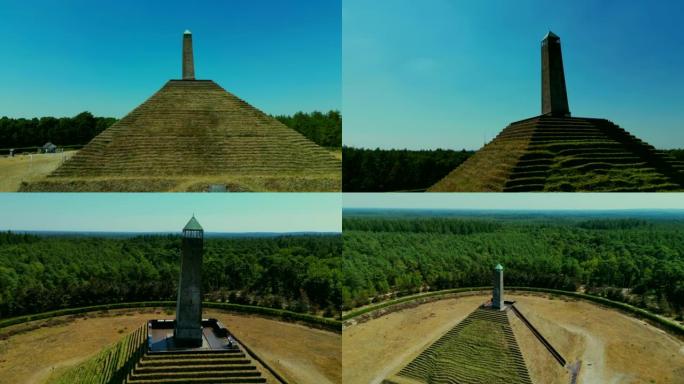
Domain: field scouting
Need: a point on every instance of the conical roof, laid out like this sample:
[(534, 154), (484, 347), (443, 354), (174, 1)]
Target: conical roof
[(193, 225), (192, 134)]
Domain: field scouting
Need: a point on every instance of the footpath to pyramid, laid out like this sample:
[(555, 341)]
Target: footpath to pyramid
[(192, 135), (547, 153), (480, 349)]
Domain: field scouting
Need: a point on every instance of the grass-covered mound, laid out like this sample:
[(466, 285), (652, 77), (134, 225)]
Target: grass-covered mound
[(565, 154), (480, 349), (193, 131)]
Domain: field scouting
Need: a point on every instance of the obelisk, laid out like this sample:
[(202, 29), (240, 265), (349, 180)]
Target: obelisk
[(188, 328), (497, 294), (188, 61), (554, 94)]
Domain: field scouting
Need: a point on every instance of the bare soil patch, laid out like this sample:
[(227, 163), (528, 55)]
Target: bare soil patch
[(612, 346), (30, 353), (14, 170)]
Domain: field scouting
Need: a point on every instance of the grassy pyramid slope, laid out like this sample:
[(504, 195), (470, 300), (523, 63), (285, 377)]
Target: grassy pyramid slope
[(193, 133), (565, 154), (480, 349)]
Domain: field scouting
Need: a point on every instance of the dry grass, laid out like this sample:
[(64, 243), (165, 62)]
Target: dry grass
[(234, 183), (22, 168), (300, 353), (30, 353), (560, 154), (373, 350), (190, 132), (487, 170), (613, 347)]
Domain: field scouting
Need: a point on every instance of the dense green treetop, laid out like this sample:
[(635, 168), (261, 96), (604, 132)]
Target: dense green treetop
[(300, 273), (640, 261)]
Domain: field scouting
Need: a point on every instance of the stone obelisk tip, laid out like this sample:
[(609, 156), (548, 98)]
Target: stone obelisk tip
[(188, 61)]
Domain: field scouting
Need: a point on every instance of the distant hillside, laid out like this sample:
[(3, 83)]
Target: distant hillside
[(386, 170)]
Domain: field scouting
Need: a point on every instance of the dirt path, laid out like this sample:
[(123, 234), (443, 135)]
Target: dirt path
[(593, 361), (14, 170)]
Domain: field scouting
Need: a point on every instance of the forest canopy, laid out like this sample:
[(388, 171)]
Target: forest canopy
[(62, 131), (388, 170), (299, 273), (639, 261), (322, 128)]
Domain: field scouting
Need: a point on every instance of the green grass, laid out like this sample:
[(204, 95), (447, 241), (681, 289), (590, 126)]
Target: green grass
[(481, 348), (551, 154), (192, 132)]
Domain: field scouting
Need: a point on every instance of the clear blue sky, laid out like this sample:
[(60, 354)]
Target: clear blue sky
[(63, 57), (242, 212), (450, 73), (516, 201)]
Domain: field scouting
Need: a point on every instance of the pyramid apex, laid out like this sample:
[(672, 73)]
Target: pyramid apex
[(551, 35), (498, 267)]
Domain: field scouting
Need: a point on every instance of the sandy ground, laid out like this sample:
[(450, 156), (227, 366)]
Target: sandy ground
[(300, 353), (14, 170), (304, 354), (373, 350), (612, 347)]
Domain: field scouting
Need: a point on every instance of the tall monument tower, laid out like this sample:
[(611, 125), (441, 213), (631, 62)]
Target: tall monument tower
[(497, 295), (188, 329), (554, 95), (188, 61)]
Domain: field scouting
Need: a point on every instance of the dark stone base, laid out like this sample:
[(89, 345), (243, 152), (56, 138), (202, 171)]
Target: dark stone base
[(212, 337)]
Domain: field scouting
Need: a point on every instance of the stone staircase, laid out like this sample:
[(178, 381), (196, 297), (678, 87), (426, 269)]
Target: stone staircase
[(213, 366)]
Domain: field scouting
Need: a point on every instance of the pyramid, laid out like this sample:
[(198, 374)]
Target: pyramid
[(482, 348), (192, 135), (557, 152)]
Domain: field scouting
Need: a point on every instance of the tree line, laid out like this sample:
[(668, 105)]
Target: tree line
[(62, 131), (324, 129), (638, 261), (298, 273), (386, 170)]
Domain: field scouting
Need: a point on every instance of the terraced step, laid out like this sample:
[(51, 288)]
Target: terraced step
[(467, 353), (216, 366), (197, 128)]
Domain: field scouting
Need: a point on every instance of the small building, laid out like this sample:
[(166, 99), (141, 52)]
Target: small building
[(49, 148)]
